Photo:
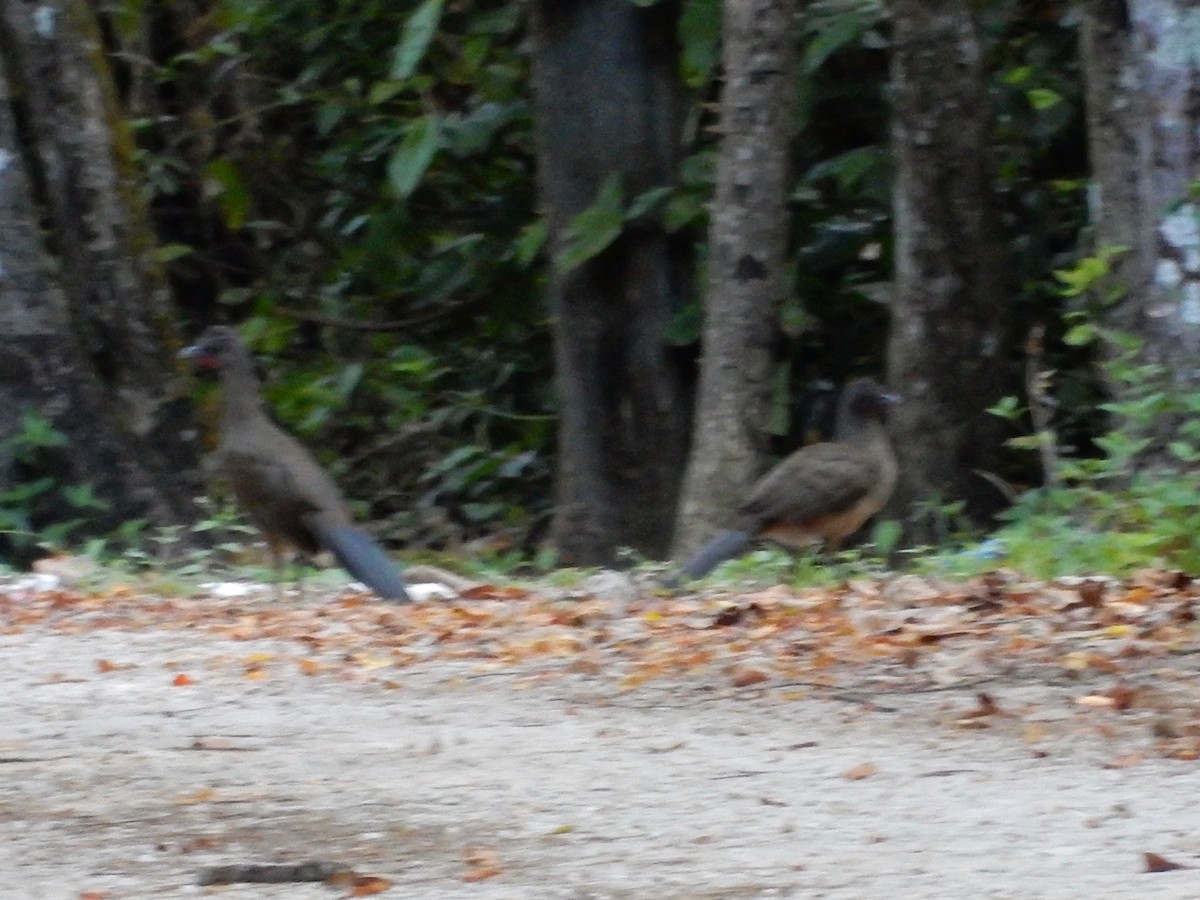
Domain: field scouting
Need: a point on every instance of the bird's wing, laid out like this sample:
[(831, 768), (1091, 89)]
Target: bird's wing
[(273, 494), (815, 481)]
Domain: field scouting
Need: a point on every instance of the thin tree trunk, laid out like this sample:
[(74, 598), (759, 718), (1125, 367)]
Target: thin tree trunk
[(1143, 103), (950, 335), (608, 99), (748, 240), (87, 325)]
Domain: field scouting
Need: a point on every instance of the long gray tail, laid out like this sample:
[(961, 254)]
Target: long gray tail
[(725, 545), (365, 560)]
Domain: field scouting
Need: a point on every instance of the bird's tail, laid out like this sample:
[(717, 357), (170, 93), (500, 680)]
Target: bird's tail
[(719, 549), (365, 560)]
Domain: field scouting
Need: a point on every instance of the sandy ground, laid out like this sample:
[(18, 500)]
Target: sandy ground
[(124, 784)]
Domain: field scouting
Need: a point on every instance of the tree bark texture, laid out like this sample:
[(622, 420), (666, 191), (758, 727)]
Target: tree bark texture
[(1142, 70), (950, 338), (748, 241), (88, 331), (608, 98)]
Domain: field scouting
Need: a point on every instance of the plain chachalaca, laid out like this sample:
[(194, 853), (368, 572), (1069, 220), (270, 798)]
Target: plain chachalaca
[(281, 487), (821, 492)]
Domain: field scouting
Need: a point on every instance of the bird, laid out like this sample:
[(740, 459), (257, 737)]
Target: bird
[(824, 491), (278, 483)]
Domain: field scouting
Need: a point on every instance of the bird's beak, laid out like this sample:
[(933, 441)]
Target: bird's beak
[(202, 358)]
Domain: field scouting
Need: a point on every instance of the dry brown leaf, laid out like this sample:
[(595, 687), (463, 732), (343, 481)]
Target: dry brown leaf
[(747, 676), (366, 885), (1127, 761), (203, 795), (494, 592), (859, 772), (481, 874), (1033, 733), (1156, 863), (1123, 696), (182, 680)]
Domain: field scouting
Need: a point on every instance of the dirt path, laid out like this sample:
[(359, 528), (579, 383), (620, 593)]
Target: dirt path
[(125, 784)]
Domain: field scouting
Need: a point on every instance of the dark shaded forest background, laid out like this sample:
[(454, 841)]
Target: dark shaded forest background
[(422, 213)]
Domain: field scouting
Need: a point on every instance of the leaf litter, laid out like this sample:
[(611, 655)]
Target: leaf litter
[(1122, 649), (1113, 638)]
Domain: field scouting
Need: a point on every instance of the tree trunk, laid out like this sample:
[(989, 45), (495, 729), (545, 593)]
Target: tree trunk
[(950, 337), (608, 98), (1143, 103), (87, 324), (748, 240)]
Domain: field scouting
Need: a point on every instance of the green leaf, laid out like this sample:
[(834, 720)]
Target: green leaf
[(1018, 75), (832, 35), (1080, 335), (529, 243), (230, 190), (418, 32), (700, 40), (1008, 408), (1044, 98), (412, 158), (168, 252), (590, 232), (382, 91), (645, 202)]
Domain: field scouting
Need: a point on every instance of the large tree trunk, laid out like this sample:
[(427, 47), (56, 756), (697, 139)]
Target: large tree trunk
[(748, 240), (950, 336), (608, 99), (87, 328), (1143, 104)]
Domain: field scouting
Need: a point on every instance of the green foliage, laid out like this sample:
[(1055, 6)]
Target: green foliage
[(1136, 503), (38, 510), (366, 163), (370, 163)]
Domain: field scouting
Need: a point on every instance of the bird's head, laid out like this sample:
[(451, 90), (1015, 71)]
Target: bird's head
[(217, 348), (865, 399)]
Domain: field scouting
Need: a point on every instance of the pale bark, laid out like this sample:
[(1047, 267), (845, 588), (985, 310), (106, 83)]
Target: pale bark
[(949, 341), (748, 241), (87, 324), (1142, 69)]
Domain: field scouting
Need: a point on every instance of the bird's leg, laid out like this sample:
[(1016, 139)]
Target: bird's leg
[(298, 562), (277, 571), (278, 555)]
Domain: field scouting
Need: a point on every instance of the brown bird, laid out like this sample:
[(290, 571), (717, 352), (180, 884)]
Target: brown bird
[(821, 492), (281, 487)]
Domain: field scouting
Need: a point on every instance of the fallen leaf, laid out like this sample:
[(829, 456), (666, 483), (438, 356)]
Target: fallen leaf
[(1033, 733), (204, 795), (1096, 701), (859, 772), (747, 676), (182, 680), (366, 885), (986, 706), (1156, 863), (481, 874), (1126, 761), (1123, 696)]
